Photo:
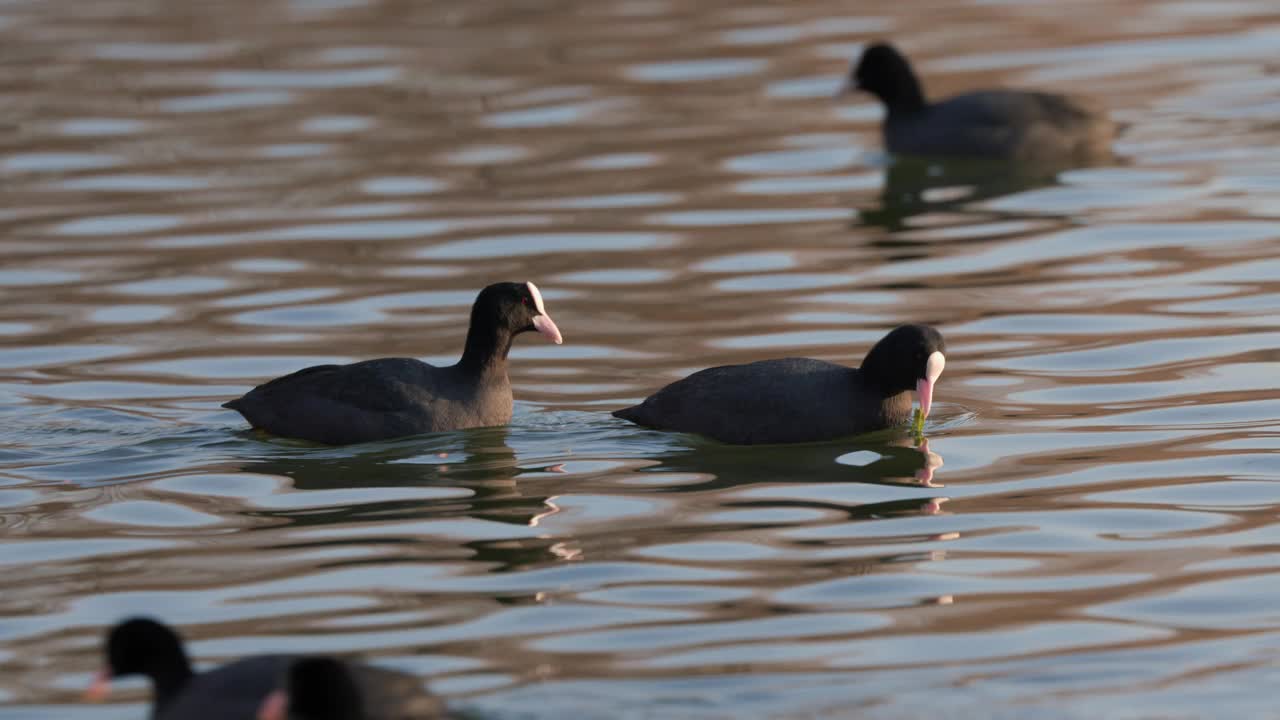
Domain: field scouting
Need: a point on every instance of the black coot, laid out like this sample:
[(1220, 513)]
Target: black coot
[(799, 399), (1004, 125), (141, 646), (394, 397), (326, 688)]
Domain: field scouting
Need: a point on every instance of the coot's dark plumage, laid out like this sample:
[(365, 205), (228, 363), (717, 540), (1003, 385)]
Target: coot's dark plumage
[(799, 399), (326, 688), (394, 397), (234, 691), (1007, 125)]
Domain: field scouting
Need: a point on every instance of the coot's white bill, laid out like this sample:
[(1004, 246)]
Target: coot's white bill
[(924, 386), (542, 322)]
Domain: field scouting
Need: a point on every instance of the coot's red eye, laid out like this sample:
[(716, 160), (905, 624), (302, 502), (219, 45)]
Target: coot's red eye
[(525, 300)]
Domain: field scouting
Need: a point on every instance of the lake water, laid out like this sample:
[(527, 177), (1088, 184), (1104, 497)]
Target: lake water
[(200, 196)]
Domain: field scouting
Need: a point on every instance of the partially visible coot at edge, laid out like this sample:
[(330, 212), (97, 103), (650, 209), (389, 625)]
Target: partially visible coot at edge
[(395, 397), (141, 646), (246, 689), (793, 400), (327, 688), (998, 124)]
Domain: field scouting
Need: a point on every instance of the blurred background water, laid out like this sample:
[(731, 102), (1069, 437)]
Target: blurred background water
[(200, 196)]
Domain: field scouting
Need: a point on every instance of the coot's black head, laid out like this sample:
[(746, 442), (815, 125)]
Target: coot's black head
[(141, 646), (910, 357), (516, 308), (319, 688), (885, 73)]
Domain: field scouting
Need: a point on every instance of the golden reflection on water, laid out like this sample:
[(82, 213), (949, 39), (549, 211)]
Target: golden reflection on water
[(201, 196)]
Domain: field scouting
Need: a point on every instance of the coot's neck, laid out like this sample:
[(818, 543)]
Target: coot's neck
[(323, 687), (895, 408), (878, 373), (486, 349), (905, 96), (170, 678), (891, 405)]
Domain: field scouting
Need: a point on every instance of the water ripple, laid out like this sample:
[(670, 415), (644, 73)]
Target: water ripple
[(198, 204)]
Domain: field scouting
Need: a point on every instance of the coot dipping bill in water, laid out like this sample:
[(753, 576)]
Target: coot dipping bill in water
[(800, 399)]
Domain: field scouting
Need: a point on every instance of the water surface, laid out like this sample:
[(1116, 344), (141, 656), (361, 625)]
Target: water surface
[(203, 196)]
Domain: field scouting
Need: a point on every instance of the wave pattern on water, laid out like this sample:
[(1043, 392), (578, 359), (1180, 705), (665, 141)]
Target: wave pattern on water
[(215, 194)]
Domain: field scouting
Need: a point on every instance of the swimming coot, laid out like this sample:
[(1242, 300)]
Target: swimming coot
[(141, 646), (394, 397), (799, 399), (1004, 125)]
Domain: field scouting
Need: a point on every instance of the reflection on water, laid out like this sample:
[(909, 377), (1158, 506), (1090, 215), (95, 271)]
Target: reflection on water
[(201, 197), (913, 186)]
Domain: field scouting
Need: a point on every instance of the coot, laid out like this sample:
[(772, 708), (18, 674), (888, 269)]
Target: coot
[(326, 688), (141, 646), (799, 399), (394, 397), (1004, 125)]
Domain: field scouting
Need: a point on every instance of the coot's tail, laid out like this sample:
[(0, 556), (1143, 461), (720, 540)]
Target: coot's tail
[(629, 413)]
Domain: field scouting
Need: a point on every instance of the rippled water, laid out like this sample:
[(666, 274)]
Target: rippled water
[(200, 196)]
